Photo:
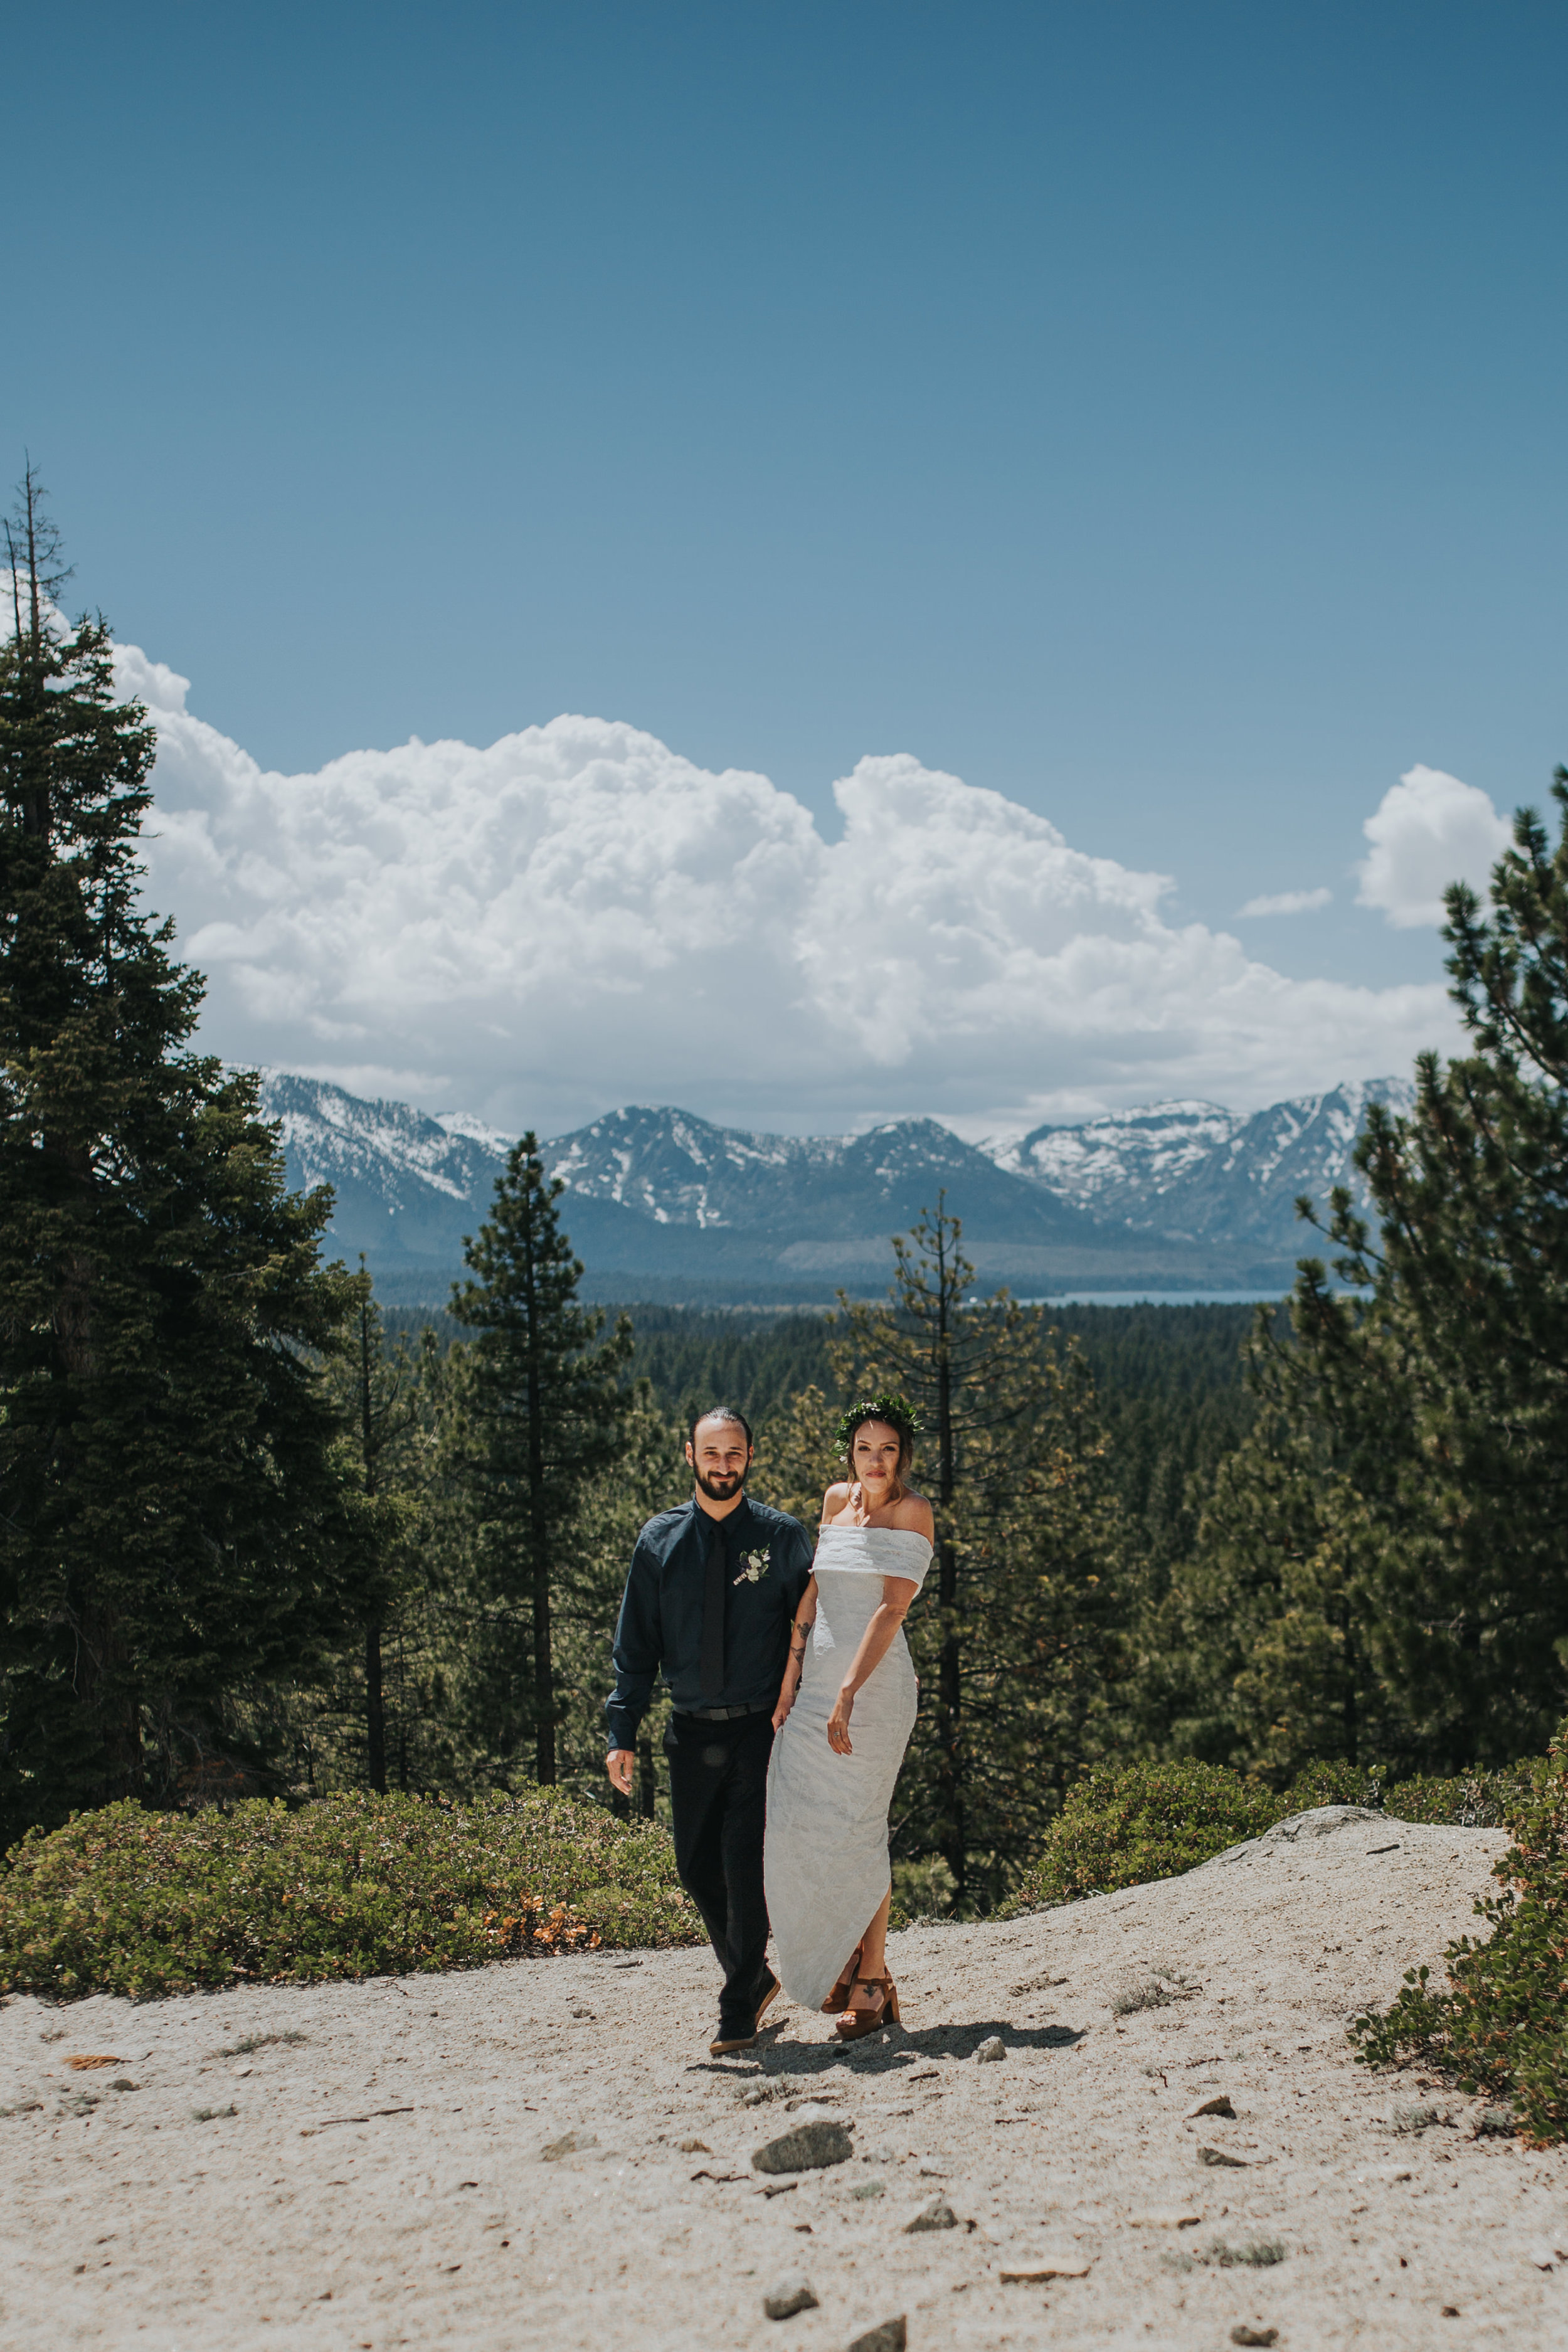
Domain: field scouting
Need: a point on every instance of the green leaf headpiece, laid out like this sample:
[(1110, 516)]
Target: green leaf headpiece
[(896, 1410)]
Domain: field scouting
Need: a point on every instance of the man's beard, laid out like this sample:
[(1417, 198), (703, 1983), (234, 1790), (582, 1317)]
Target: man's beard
[(723, 1488)]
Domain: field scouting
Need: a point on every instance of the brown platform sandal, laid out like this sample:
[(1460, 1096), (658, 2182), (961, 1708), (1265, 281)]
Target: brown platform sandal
[(855, 2022), (839, 1998)]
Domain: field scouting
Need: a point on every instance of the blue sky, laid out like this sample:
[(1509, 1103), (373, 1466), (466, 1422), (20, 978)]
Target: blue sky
[(1152, 413)]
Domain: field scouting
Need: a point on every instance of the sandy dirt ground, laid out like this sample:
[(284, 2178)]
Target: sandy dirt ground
[(382, 2165)]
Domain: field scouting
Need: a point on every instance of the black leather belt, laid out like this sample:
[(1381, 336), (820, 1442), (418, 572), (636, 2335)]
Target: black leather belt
[(725, 1714)]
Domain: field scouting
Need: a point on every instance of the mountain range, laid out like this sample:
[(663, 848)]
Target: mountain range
[(660, 1203)]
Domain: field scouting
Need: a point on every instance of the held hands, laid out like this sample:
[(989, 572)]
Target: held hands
[(838, 1723), (618, 1765)]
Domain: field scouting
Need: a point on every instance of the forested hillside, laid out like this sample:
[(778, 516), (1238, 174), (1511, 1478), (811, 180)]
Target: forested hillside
[(1168, 1380)]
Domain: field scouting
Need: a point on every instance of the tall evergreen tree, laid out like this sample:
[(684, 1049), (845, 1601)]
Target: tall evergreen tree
[(171, 1507), (383, 1712), (1023, 1642), (1262, 1651), (647, 1474), (381, 1392), (541, 1413), (1430, 1395)]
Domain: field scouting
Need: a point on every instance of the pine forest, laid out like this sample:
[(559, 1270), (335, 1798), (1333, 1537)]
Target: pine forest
[(261, 1535)]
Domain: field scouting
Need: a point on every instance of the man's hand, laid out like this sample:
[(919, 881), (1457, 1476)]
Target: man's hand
[(618, 1765)]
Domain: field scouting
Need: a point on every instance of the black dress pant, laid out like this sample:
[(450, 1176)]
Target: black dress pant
[(718, 1796)]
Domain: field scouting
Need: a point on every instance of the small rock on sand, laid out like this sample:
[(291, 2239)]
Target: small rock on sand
[(1242, 2334), (1217, 2104), (890, 2335), (806, 2148), (1222, 2156), (938, 2215), (789, 2294), (991, 2050), (572, 2143)]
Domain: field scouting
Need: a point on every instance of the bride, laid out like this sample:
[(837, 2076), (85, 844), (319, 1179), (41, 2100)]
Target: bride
[(846, 1709)]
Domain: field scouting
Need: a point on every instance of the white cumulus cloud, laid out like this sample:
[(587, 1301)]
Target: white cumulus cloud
[(1430, 830), (1286, 902), (576, 916)]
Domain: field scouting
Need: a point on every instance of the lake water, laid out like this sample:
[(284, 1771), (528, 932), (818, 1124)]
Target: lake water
[(1154, 1299)]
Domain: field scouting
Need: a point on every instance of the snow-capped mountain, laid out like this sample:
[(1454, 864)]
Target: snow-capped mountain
[(659, 1192), (1183, 1195), (1117, 1164), (1193, 1171), (683, 1170), (407, 1184)]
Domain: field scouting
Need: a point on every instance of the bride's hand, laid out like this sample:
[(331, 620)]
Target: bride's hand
[(839, 1724)]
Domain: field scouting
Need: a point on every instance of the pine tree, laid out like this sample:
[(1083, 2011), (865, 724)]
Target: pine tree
[(383, 1711), (797, 1461), (1431, 1392), (1264, 1650), (384, 1393), (1023, 1645), (647, 1474), (171, 1508), (541, 1414)]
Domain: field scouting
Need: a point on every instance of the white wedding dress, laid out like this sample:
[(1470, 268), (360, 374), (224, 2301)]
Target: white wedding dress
[(824, 1856)]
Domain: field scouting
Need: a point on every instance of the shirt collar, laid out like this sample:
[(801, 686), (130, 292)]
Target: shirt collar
[(727, 1528)]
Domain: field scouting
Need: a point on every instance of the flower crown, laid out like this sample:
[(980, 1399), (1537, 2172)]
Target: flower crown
[(896, 1410)]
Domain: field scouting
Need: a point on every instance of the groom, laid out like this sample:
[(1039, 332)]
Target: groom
[(712, 1591)]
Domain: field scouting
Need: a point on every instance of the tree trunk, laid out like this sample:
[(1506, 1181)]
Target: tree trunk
[(402, 1718), (374, 1711), (102, 1685), (102, 1676), (539, 1544), (950, 1672), (1352, 1712)]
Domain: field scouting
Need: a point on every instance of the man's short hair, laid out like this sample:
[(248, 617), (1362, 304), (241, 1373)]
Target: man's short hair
[(720, 1412)]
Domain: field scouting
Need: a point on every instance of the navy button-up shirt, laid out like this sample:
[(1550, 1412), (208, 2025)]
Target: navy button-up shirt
[(660, 1623)]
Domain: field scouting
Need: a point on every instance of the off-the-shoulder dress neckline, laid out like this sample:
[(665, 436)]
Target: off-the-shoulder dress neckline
[(865, 1528)]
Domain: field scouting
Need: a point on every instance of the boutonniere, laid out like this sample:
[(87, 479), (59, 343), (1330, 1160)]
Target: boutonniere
[(753, 1568)]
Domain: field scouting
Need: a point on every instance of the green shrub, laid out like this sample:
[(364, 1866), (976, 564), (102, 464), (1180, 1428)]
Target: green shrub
[(1335, 1782), (1123, 1827), (1502, 2025), (1471, 1801), (127, 1901), (923, 1889), (1478, 1799)]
